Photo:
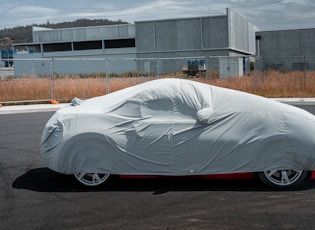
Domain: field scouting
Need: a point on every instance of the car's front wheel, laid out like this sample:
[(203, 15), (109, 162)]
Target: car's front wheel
[(91, 179), (282, 178)]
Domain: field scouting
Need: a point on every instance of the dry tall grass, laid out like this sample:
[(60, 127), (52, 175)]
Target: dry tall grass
[(272, 83), (268, 84)]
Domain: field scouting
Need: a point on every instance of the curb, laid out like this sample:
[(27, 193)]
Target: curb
[(31, 108), (296, 100)]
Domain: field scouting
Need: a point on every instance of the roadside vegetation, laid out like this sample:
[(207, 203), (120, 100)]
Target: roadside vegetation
[(271, 84)]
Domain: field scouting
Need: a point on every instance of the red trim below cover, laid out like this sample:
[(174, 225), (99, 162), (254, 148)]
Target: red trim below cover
[(247, 176)]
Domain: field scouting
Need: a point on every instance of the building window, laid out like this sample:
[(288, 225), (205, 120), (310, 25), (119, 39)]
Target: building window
[(7, 56), (89, 45), (57, 47), (120, 43)]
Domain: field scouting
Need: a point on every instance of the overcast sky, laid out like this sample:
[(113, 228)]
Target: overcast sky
[(265, 14)]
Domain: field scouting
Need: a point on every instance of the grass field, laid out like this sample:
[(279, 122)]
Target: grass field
[(268, 84)]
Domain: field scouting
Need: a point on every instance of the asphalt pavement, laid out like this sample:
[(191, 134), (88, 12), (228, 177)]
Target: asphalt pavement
[(34, 197)]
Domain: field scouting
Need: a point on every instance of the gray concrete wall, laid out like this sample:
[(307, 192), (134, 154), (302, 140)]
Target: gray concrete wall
[(285, 43), (230, 67), (188, 34), (215, 32), (76, 62), (83, 33), (285, 49), (188, 37), (241, 33), (192, 34)]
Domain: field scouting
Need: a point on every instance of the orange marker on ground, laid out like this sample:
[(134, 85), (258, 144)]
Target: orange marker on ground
[(54, 102)]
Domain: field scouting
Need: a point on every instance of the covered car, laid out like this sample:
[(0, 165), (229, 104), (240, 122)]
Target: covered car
[(177, 127)]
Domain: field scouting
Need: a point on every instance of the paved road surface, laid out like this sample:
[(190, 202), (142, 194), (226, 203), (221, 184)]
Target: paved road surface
[(33, 197)]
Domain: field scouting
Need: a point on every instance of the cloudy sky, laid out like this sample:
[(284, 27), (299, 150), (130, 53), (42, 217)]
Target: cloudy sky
[(266, 14)]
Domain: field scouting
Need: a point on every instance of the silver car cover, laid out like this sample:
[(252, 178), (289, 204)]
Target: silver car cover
[(178, 127)]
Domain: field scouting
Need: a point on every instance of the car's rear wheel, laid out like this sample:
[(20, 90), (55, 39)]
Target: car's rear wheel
[(282, 178), (91, 179)]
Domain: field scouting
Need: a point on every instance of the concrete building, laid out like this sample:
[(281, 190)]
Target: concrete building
[(286, 49), (156, 45), (75, 50)]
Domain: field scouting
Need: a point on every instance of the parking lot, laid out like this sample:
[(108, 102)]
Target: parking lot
[(33, 197)]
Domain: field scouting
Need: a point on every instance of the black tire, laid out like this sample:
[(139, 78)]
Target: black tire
[(282, 179)]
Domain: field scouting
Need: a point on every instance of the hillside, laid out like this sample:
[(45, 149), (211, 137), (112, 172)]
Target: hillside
[(22, 34)]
